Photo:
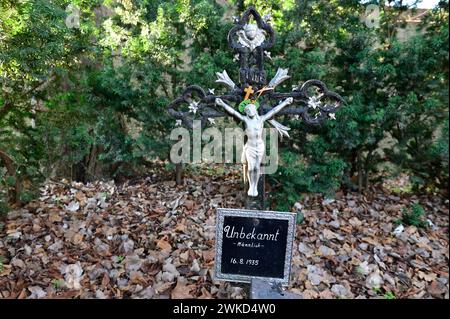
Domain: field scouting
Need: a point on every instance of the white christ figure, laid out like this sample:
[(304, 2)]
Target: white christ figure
[(254, 149)]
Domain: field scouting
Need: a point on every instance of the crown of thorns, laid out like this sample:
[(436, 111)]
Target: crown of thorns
[(244, 104)]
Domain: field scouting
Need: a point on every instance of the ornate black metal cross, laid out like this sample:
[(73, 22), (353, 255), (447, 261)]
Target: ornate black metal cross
[(312, 101)]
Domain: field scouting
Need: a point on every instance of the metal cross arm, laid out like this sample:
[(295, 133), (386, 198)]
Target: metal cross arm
[(313, 109), (198, 102)]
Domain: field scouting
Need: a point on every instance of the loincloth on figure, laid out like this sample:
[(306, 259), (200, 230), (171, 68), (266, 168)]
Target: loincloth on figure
[(253, 153)]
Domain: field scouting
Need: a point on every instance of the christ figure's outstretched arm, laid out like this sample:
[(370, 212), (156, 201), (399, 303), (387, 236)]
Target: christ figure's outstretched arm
[(277, 109), (230, 109)]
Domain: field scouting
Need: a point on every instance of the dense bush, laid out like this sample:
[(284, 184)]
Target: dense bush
[(414, 216), (89, 101)]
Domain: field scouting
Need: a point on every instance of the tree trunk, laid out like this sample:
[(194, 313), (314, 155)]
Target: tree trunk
[(179, 173), (5, 109), (360, 172), (79, 171), (9, 164), (366, 168)]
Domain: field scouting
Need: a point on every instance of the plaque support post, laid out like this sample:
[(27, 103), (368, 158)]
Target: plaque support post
[(264, 289)]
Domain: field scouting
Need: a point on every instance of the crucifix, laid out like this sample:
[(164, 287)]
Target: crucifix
[(254, 149), (248, 91), (312, 101)]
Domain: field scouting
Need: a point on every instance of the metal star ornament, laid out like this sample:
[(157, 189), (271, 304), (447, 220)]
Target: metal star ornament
[(193, 107), (314, 102)]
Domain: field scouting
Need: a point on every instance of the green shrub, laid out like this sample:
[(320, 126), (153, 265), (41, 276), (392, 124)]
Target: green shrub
[(414, 216), (2, 260), (316, 173), (389, 295)]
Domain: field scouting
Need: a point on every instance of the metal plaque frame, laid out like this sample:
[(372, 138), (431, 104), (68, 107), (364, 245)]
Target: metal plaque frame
[(224, 212)]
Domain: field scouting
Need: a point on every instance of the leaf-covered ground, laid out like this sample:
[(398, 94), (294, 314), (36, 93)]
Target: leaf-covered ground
[(150, 239)]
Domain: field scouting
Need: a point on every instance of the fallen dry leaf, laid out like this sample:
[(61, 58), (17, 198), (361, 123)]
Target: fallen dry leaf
[(181, 291), (163, 244)]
